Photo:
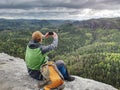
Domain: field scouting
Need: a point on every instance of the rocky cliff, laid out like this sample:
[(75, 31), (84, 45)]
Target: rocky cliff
[(14, 76)]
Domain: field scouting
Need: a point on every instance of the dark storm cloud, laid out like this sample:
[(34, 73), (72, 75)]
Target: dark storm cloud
[(59, 9), (77, 4)]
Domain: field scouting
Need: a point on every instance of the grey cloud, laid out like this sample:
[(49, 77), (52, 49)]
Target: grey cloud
[(77, 4), (31, 14), (35, 15), (54, 8)]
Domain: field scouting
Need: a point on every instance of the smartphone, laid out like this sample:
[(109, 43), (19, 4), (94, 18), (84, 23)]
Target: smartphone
[(50, 33)]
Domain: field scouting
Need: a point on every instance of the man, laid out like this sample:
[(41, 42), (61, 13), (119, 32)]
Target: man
[(36, 55)]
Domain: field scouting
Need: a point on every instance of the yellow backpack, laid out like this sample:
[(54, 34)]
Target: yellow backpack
[(52, 77)]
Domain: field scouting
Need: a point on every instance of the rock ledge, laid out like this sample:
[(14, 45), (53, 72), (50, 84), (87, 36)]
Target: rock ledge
[(14, 76)]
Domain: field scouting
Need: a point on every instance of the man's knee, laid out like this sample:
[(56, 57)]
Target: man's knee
[(60, 62)]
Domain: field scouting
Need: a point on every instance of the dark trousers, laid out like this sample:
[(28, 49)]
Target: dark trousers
[(35, 74), (62, 68)]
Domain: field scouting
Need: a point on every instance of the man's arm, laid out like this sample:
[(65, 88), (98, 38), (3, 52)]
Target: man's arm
[(51, 46)]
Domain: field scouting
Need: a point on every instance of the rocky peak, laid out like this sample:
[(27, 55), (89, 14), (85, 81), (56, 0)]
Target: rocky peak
[(14, 76)]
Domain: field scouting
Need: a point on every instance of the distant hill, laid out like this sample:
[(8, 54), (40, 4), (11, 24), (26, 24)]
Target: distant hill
[(21, 24), (104, 23)]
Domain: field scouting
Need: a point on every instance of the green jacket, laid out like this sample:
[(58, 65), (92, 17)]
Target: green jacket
[(34, 58)]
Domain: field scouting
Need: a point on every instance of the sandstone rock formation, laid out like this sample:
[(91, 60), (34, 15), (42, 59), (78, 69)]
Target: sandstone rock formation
[(14, 76)]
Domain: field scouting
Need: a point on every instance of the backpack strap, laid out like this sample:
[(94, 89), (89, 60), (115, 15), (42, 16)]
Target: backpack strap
[(45, 72)]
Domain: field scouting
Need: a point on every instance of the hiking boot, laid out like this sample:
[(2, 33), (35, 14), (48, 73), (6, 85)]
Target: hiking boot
[(70, 79)]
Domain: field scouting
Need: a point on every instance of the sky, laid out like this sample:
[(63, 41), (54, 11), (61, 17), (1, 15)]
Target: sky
[(59, 9)]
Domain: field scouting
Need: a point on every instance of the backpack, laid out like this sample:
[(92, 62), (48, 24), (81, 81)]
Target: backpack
[(52, 77)]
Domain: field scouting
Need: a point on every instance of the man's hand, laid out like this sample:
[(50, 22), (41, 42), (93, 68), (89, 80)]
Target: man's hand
[(47, 35), (54, 35)]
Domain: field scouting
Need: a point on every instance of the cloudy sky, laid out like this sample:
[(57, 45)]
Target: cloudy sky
[(59, 9)]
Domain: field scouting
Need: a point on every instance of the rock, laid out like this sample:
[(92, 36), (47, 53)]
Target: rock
[(14, 76)]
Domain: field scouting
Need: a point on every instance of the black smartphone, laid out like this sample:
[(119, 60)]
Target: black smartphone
[(50, 33)]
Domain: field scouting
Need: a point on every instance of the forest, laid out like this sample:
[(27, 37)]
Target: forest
[(90, 49)]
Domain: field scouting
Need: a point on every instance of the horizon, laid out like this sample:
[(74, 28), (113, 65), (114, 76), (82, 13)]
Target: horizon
[(58, 19)]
